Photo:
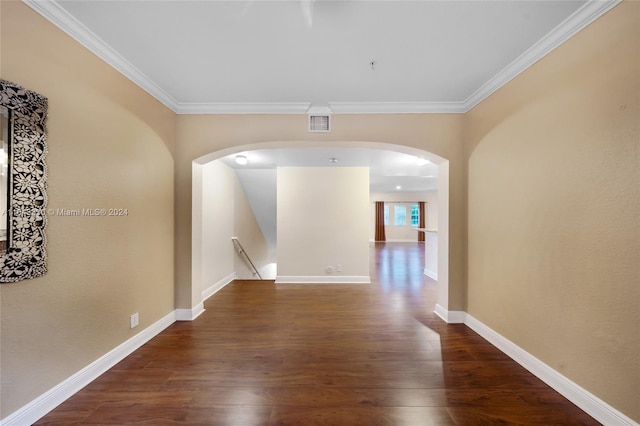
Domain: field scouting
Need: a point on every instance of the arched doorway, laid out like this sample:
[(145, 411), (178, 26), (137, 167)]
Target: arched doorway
[(198, 292)]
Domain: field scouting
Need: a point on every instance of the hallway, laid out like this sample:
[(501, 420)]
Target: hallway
[(321, 354)]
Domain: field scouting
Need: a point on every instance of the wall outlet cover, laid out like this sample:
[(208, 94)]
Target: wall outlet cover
[(134, 320)]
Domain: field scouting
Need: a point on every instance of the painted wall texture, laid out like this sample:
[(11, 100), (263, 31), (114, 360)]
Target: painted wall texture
[(110, 146), (248, 232), (226, 213), (551, 162), (554, 196), (323, 221), (218, 201), (201, 135)]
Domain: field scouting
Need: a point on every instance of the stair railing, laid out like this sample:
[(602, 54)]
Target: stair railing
[(241, 251)]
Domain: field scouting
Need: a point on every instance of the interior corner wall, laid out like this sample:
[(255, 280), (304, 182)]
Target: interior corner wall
[(110, 145), (218, 210), (323, 220), (250, 236), (440, 134), (226, 213), (554, 196)]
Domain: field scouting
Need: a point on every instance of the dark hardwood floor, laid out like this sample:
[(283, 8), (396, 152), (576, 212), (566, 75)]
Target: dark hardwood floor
[(321, 355)]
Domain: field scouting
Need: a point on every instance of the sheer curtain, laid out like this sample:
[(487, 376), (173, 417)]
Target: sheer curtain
[(422, 220), (380, 235)]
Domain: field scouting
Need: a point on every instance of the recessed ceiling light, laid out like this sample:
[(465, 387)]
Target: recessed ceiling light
[(421, 161), (333, 160), (398, 187), (241, 159)]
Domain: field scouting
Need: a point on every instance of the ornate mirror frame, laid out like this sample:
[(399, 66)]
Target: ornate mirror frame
[(26, 254)]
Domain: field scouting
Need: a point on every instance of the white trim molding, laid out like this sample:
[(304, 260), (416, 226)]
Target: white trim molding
[(243, 108), (591, 404), (450, 317), (190, 314), (397, 107), (585, 15), (36, 409), (62, 19), (218, 286), (57, 15), (335, 279), (431, 274)]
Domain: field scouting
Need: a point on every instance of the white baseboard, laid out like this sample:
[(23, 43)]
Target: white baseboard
[(190, 314), (450, 317), (55, 396), (218, 286), (591, 404), (330, 279), (431, 274), (196, 311)]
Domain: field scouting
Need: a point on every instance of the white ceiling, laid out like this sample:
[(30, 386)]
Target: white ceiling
[(387, 171), (263, 56)]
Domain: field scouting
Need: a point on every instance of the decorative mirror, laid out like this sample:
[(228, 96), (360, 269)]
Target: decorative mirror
[(23, 182)]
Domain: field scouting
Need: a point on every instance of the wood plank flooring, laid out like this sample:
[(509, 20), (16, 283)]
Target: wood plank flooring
[(321, 355)]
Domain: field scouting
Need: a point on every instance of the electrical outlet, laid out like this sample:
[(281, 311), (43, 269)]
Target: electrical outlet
[(338, 267), (134, 320)]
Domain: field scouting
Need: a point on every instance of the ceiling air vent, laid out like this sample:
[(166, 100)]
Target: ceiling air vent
[(319, 123), (319, 118)]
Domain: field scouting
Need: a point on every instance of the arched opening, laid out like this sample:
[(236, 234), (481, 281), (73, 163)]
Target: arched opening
[(199, 292)]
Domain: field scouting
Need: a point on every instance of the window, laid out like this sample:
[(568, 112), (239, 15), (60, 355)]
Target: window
[(415, 215), (386, 215), (399, 215)]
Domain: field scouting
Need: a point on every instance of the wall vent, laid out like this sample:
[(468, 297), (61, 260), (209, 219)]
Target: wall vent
[(319, 123)]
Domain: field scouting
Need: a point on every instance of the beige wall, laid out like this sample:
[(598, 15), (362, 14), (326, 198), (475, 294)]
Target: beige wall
[(226, 213), (554, 196), (250, 235), (110, 146), (553, 226), (441, 134), (322, 221), (218, 195)]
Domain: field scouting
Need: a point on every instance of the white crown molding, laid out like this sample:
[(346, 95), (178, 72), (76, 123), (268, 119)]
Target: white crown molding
[(55, 396), (591, 404), (588, 13), (57, 15), (243, 108), (584, 16), (397, 107), (335, 279)]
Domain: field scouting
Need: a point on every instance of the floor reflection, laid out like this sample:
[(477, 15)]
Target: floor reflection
[(398, 266), (321, 355)]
